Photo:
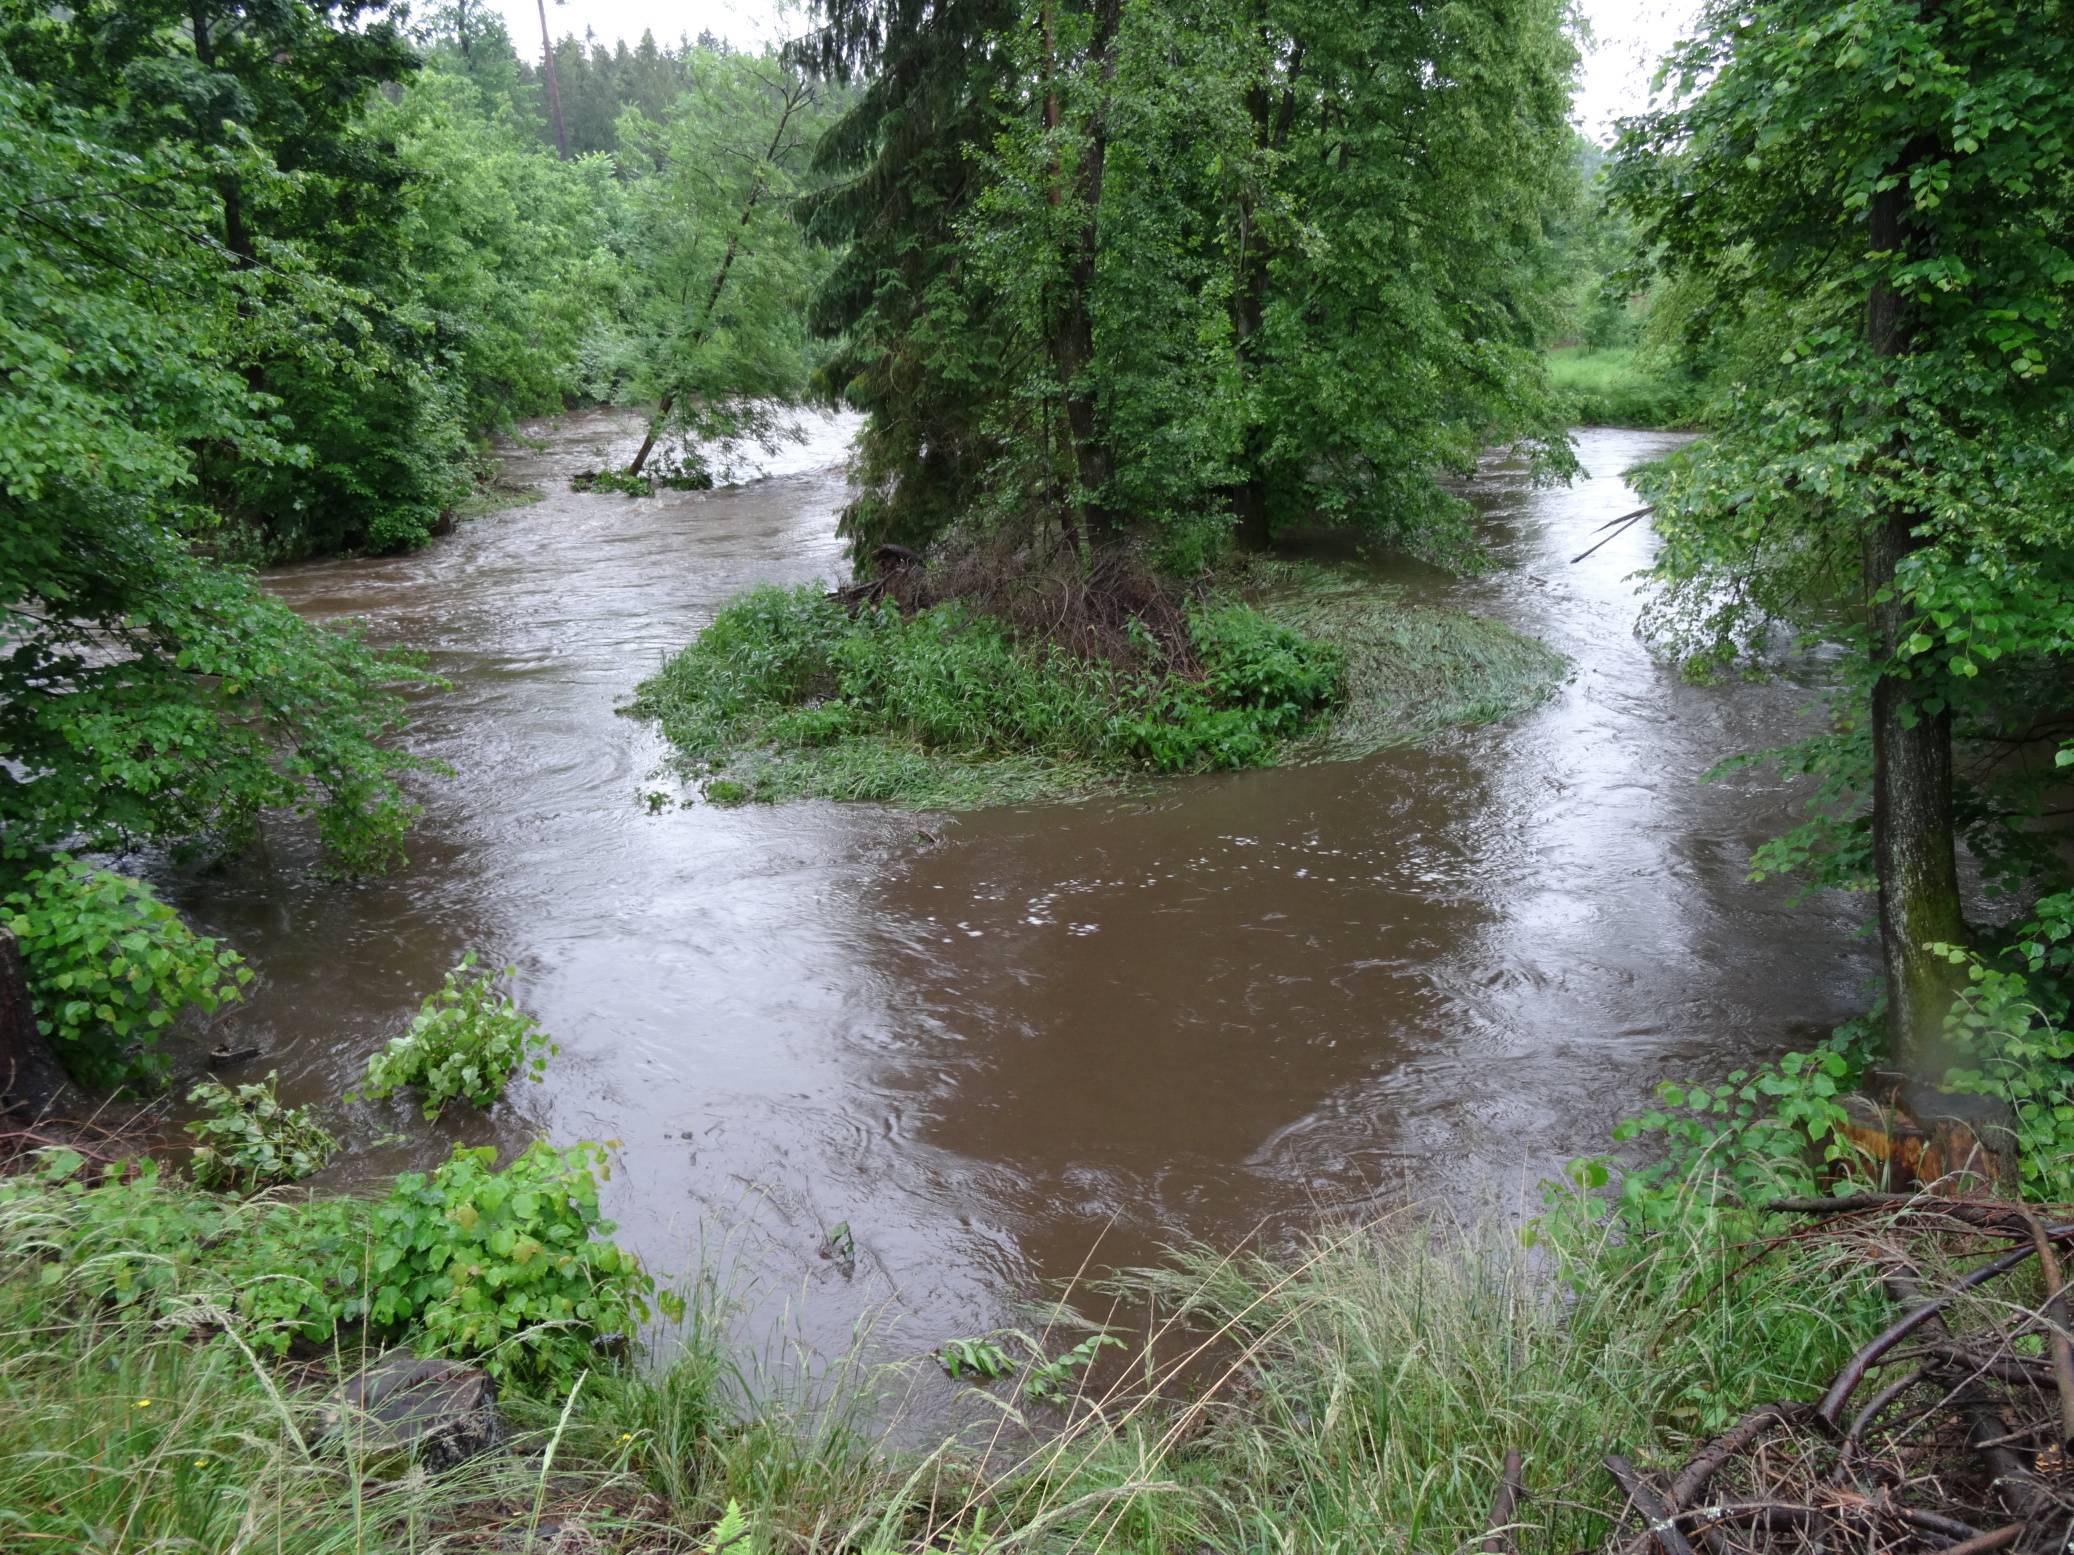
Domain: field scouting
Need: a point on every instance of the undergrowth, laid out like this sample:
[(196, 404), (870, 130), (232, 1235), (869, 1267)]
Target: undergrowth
[(789, 694), (1357, 1395)]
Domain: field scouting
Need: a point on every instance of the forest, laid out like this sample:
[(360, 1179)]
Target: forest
[(1323, 816)]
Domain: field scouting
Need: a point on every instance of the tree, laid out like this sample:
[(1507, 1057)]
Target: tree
[(720, 273), (1144, 272), (147, 693), (1898, 177)]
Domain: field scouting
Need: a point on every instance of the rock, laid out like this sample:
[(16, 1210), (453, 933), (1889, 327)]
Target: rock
[(440, 1411)]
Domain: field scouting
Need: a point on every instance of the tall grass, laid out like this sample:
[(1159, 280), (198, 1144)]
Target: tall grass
[(1357, 1395), (1616, 388)]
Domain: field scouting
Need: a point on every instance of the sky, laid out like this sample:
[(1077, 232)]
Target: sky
[(1631, 35)]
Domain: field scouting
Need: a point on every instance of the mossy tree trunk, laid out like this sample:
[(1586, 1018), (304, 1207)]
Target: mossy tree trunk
[(1915, 852)]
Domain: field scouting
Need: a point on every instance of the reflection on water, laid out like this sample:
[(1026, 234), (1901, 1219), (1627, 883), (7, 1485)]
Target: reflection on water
[(992, 1043)]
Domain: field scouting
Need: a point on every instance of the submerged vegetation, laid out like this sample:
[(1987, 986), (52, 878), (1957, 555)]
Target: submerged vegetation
[(790, 694)]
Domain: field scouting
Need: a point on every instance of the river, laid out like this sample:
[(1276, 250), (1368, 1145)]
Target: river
[(1006, 1045)]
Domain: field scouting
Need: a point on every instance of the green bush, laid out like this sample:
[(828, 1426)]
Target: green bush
[(514, 1268), (1776, 1129), (247, 1140), (111, 967), (467, 1040), (1262, 683)]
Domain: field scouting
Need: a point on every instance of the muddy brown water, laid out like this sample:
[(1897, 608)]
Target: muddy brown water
[(1001, 1046)]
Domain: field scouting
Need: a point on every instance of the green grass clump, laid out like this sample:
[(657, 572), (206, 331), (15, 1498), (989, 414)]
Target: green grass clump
[(1613, 388), (787, 695)]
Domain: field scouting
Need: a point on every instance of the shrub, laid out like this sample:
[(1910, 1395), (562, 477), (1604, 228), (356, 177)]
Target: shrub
[(512, 1268), (466, 1040), (248, 1140), (516, 1266), (1262, 682), (110, 967)]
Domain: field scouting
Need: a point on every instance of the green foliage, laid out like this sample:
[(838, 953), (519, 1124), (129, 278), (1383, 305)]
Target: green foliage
[(1376, 1378), (1411, 670), (709, 323), (467, 1040), (514, 1268), (1615, 388), (613, 480), (981, 1358), (1054, 1381), (147, 693), (246, 1140), (2010, 1048), (1164, 268), (1790, 125), (796, 695), (1757, 1135), (1262, 683), (111, 967), (1775, 1130), (786, 694)]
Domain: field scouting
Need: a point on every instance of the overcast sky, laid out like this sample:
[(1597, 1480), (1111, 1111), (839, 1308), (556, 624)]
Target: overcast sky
[(1631, 34)]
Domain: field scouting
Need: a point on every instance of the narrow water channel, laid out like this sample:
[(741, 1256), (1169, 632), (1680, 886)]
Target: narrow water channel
[(1004, 1044)]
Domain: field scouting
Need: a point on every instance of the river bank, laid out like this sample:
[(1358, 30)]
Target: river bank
[(1359, 1393)]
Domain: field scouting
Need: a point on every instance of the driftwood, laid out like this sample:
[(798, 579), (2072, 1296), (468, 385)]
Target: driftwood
[(1511, 1491)]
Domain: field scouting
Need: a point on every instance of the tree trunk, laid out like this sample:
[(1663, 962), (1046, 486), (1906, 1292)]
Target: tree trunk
[(1073, 343), (235, 237), (30, 1079), (1271, 121), (1915, 850), (554, 92), (796, 96)]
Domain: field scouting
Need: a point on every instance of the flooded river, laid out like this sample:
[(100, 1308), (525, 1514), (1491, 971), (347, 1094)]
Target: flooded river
[(1003, 1045)]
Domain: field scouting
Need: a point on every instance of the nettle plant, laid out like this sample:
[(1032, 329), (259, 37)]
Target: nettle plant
[(111, 967), (466, 1041), (513, 1269), (247, 1140), (1777, 1129), (517, 1266)]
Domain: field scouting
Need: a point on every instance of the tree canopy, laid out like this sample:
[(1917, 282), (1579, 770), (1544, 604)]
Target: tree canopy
[(1889, 187), (1164, 269)]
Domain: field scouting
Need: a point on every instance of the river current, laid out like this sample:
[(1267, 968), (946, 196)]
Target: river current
[(1009, 1045)]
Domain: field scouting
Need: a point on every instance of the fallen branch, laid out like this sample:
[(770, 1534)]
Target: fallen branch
[(1496, 1540)]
